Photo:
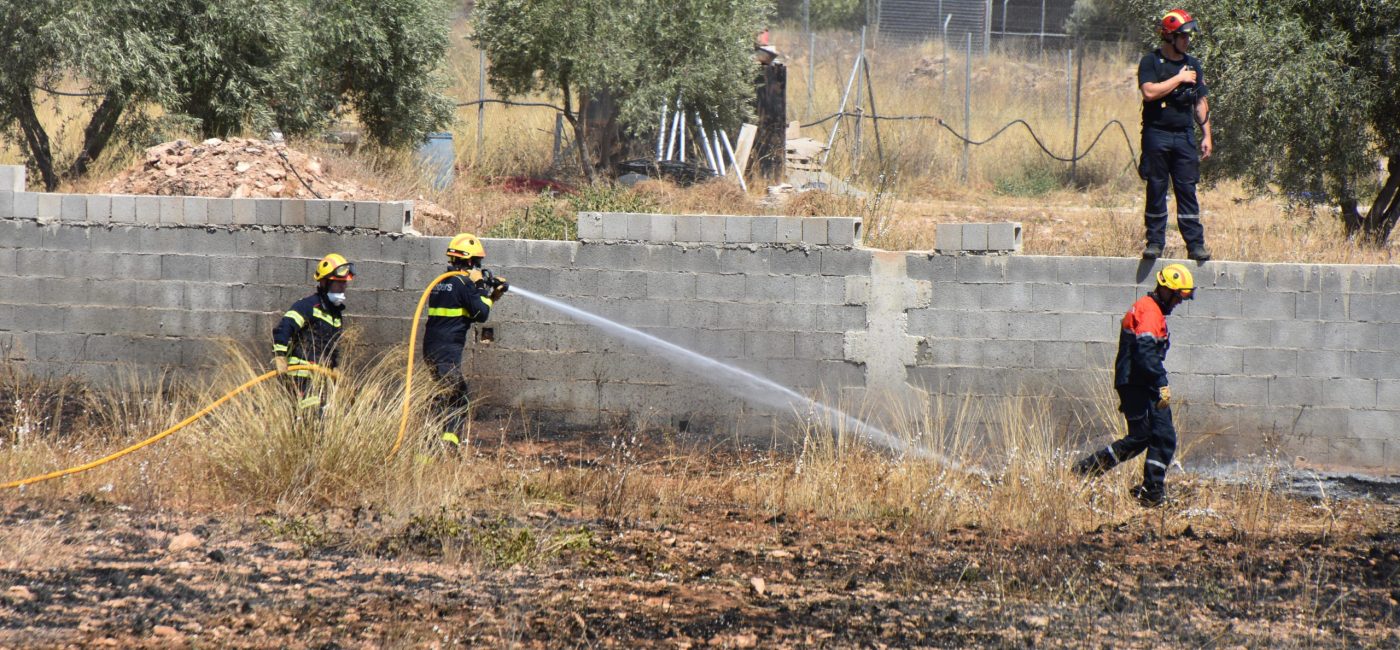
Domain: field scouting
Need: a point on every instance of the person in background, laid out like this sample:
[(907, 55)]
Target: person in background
[(453, 306), (309, 332)]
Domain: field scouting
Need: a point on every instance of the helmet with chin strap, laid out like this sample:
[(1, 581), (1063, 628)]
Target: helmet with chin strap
[(1177, 21)]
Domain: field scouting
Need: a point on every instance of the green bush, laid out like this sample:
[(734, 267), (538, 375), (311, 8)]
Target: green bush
[(1035, 179)]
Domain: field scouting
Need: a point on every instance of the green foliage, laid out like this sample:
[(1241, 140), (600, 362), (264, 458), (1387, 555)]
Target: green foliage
[(1303, 94), (1036, 179), (543, 219), (550, 217), (232, 65), (645, 55), (499, 543)]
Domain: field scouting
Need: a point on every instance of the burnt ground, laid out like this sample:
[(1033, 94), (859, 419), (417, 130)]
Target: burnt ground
[(88, 573)]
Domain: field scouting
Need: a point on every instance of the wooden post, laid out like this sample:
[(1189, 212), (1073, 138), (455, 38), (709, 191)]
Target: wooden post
[(770, 147)]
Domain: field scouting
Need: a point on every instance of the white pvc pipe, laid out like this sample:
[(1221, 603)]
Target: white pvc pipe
[(661, 133), (733, 162), (705, 143)]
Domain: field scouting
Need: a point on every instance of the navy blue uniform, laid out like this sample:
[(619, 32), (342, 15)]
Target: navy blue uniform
[(309, 332), (1139, 373), (1169, 155), (453, 306)]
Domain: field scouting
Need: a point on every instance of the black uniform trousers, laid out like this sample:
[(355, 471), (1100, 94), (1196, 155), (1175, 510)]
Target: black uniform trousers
[(1170, 160), (445, 364), (1150, 429)]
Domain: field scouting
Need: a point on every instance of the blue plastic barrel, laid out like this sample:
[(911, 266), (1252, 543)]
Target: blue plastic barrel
[(438, 158)]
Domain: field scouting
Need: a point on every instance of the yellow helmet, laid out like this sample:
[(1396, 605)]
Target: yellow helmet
[(465, 245), (1177, 278), (334, 267)]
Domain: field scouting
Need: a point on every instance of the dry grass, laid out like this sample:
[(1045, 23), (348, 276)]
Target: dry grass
[(257, 452)]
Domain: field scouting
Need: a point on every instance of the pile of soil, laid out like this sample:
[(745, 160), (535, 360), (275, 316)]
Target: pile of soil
[(245, 168)]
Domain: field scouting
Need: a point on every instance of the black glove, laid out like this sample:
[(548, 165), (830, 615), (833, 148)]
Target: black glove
[(499, 289)]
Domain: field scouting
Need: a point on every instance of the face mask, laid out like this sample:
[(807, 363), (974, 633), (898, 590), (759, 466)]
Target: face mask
[(336, 299)]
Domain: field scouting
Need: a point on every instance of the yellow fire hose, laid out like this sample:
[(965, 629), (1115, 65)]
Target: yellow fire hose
[(162, 435), (412, 343)]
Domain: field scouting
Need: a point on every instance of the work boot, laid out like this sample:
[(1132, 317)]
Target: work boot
[(1093, 465), (1149, 497), (1199, 253), (1152, 251)]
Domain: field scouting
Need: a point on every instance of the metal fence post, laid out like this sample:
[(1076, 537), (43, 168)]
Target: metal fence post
[(481, 107), (967, 114), (1042, 27), (1078, 97), (1069, 86)]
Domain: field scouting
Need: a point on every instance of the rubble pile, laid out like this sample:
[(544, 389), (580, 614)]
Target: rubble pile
[(246, 168)]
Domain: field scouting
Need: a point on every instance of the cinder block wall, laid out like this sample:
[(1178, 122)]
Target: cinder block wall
[(1301, 359)]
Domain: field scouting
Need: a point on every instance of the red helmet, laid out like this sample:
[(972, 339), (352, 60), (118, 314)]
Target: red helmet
[(1178, 21)]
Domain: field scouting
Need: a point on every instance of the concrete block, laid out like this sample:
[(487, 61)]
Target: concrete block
[(185, 268), (233, 270), (1053, 355), (846, 262), (614, 225), (663, 228), (1388, 394), (367, 214), (1004, 236), (610, 256), (26, 205), (245, 211), (744, 260), (72, 207), (1298, 335), (638, 226), (1034, 327), (571, 283), (1365, 452), (1217, 361), (1014, 297), (98, 208), (318, 213), (716, 287), (268, 212), (1055, 297), (1324, 364), (1350, 393), (123, 209), (974, 236), (1374, 365), (1295, 391), (342, 214), (625, 284), (68, 238), (590, 225), (1242, 390), (7, 205), (738, 230), (817, 290), (548, 254), (712, 228), (60, 347), (395, 215), (789, 230), (763, 230), (1103, 328), (811, 345), (1351, 336), (1292, 277), (1270, 362), (50, 206), (769, 288), (172, 210), (843, 231), (979, 268), (148, 210), (1109, 299), (12, 178), (671, 286), (688, 228), (814, 231)]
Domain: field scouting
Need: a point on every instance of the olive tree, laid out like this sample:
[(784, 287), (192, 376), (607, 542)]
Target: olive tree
[(645, 55), (1303, 96), (231, 65)]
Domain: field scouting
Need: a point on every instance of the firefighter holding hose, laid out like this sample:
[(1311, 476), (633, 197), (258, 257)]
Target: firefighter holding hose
[(453, 306), (309, 332)]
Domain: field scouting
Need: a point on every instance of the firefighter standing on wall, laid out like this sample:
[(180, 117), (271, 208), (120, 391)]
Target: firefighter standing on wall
[(1143, 392), (1173, 103), (453, 305), (310, 331)]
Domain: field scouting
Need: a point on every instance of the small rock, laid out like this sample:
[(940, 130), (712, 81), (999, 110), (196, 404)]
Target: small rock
[(184, 541), (216, 555), (212, 142), (745, 640), (164, 630), (758, 585), (1037, 621), (242, 167), (780, 555), (19, 593)]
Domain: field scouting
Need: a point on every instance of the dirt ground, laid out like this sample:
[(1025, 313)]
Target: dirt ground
[(86, 572)]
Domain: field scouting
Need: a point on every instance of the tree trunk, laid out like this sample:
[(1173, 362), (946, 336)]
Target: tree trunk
[(577, 123), (36, 139), (1380, 220), (97, 134)]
